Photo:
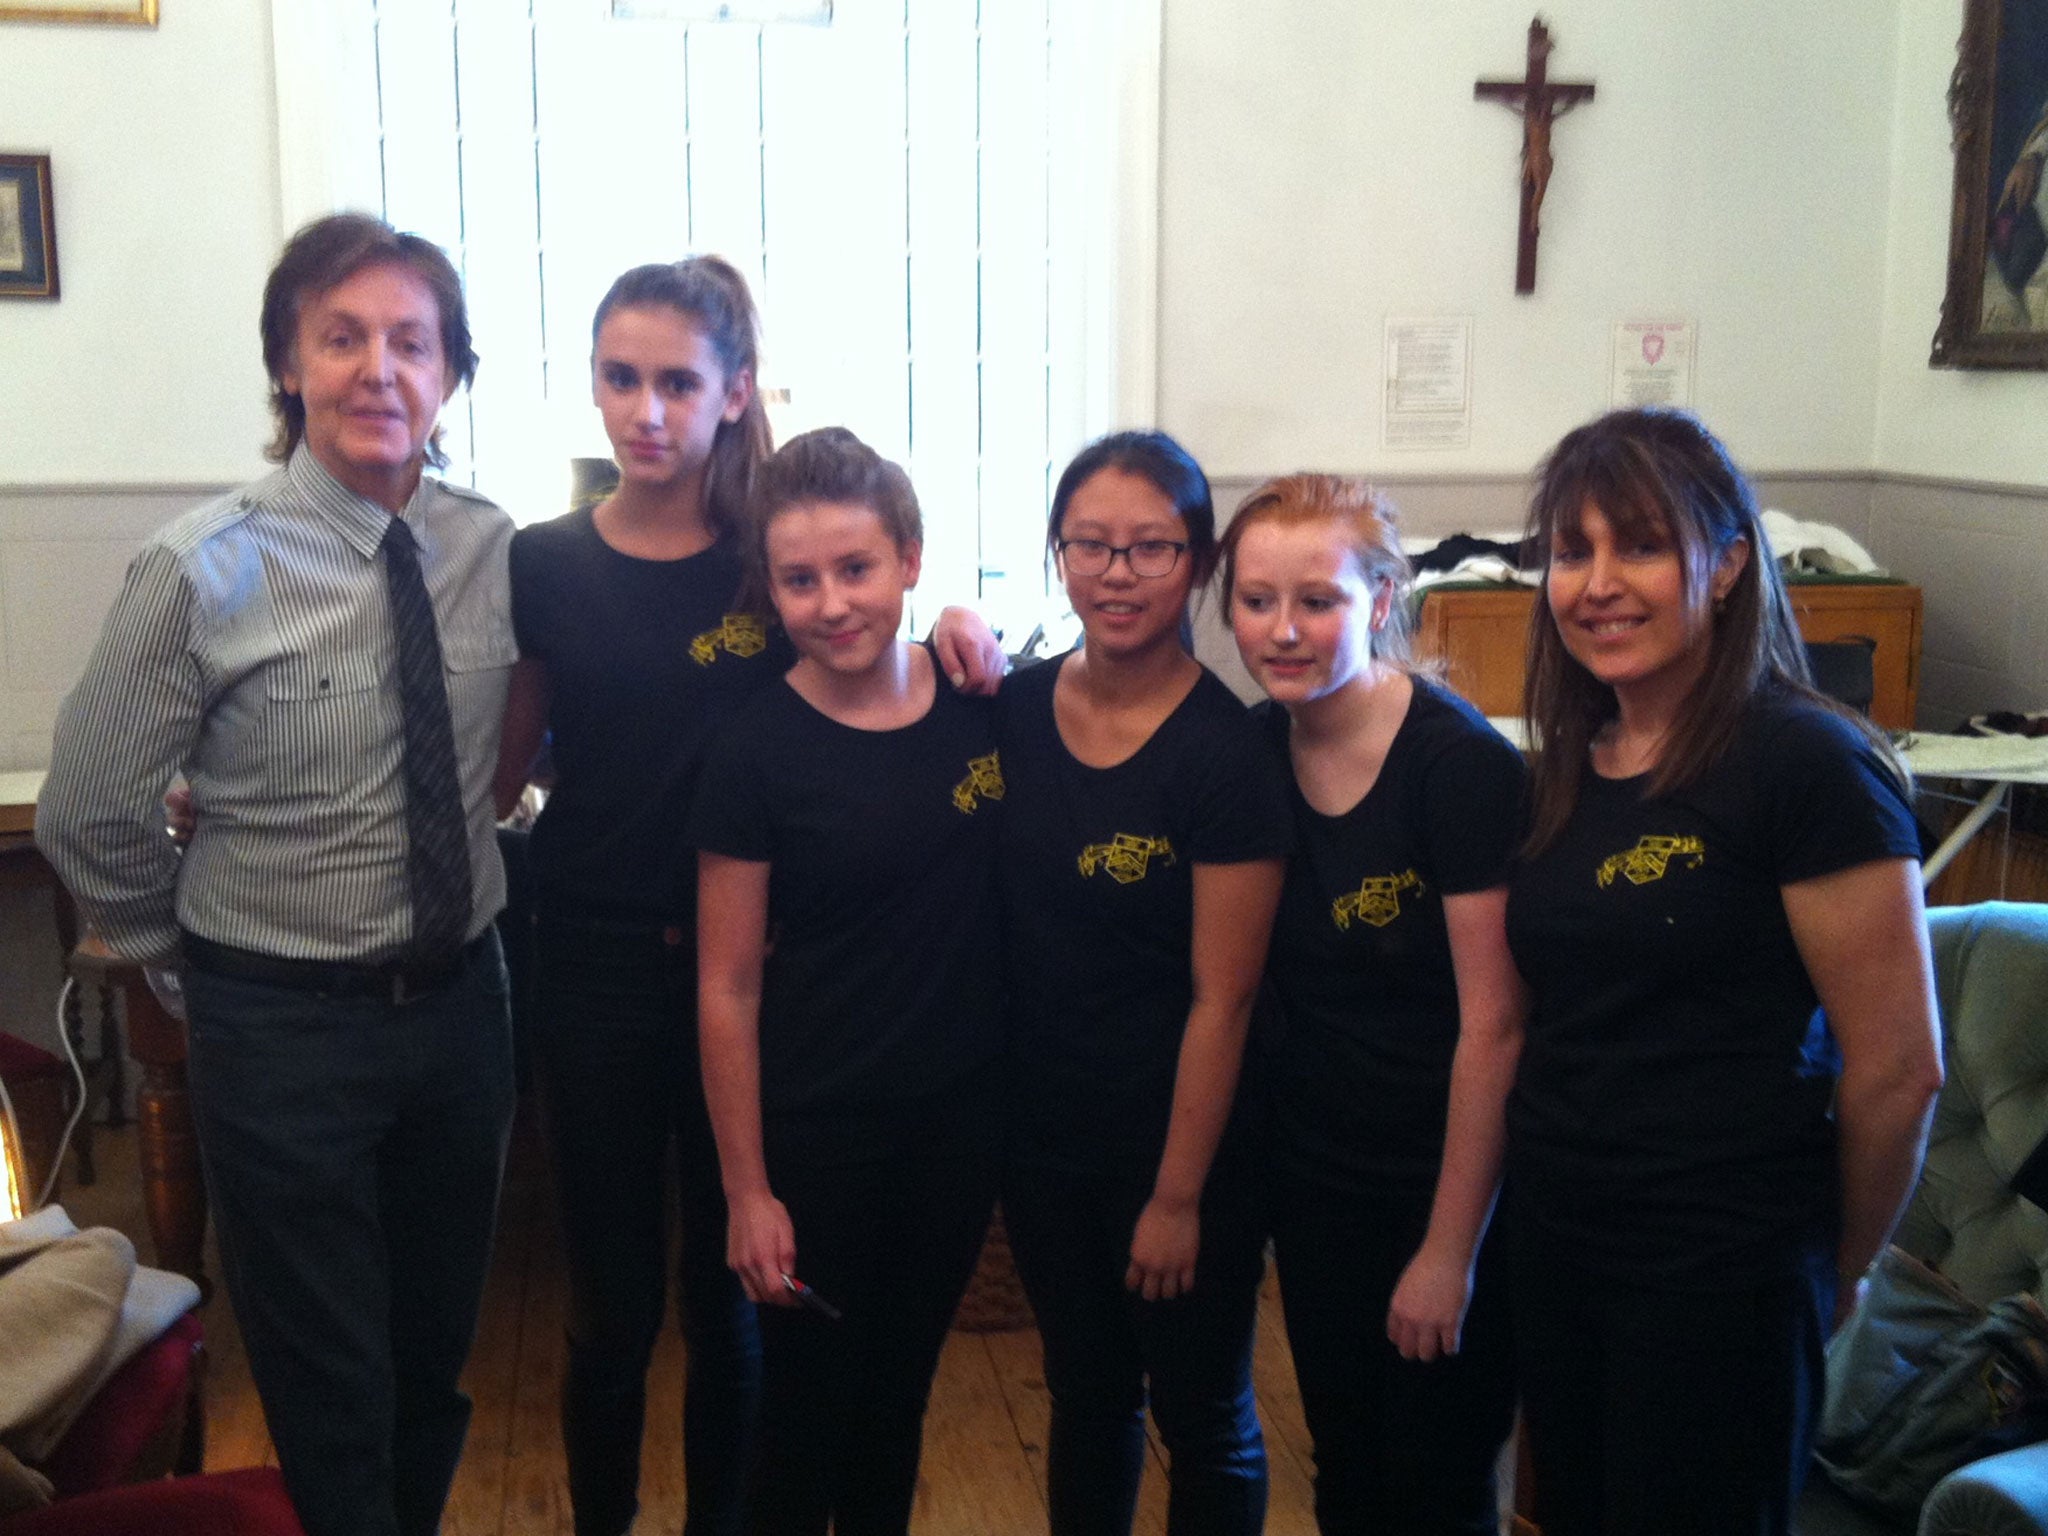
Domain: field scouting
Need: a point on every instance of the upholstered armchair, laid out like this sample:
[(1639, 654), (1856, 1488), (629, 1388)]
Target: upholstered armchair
[(1991, 967)]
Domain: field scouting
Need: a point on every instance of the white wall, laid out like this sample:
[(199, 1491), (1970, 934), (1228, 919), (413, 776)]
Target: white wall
[(1989, 426), (164, 164), (1325, 165)]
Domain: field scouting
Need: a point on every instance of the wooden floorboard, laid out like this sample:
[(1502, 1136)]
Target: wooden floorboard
[(983, 1472)]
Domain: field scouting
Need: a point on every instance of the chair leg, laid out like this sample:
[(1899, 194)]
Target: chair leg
[(113, 1062), (191, 1453)]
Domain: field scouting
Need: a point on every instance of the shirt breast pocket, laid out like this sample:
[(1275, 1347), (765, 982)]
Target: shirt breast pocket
[(295, 680), (322, 716), (478, 658)]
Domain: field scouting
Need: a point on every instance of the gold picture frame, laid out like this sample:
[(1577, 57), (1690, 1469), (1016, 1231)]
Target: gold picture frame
[(1995, 311), (115, 13)]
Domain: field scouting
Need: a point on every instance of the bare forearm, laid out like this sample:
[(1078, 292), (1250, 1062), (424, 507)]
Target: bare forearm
[(1881, 1132), (1475, 1135), (1204, 1086), (730, 1049)]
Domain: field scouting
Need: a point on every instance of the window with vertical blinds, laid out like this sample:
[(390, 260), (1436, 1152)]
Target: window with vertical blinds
[(906, 187)]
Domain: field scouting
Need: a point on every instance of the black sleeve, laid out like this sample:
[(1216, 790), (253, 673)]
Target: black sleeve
[(729, 811), (1832, 800), (530, 593), (1472, 808), (1239, 806)]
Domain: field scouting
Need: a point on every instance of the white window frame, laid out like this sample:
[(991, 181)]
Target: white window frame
[(1105, 160)]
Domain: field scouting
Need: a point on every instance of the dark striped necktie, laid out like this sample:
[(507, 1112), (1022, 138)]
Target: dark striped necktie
[(436, 832)]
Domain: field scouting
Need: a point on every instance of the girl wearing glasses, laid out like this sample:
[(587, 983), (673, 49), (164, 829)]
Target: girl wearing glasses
[(847, 825), (1400, 1019), (1143, 833)]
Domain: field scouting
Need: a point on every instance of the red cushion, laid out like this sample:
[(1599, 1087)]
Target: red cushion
[(21, 1062), (127, 1412), (251, 1502)]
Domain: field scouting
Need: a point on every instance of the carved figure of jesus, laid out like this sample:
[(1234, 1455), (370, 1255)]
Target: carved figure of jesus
[(1538, 103)]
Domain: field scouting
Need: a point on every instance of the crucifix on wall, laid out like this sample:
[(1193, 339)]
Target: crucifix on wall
[(1539, 101)]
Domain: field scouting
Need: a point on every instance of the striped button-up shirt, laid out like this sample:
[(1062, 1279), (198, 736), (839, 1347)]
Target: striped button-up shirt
[(251, 649)]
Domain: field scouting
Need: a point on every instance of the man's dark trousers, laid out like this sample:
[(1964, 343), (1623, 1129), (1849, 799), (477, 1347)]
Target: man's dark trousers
[(353, 1147)]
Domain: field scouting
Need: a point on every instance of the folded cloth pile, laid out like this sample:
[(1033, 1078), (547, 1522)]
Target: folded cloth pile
[(1502, 556), (74, 1308), (1801, 547), (1798, 547)]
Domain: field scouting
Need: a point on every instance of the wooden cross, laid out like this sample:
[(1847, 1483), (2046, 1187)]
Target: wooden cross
[(1539, 102)]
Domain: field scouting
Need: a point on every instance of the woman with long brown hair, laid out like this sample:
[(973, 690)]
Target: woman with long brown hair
[(1731, 1054)]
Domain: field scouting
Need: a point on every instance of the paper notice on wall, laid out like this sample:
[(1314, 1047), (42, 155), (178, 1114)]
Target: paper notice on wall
[(1429, 383), (1652, 363)]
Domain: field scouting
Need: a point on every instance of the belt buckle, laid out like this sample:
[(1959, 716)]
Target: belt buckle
[(400, 994)]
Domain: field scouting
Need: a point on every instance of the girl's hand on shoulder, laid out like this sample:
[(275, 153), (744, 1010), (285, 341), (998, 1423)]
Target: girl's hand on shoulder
[(968, 651), (1427, 1316), (180, 820), (760, 1247), (1163, 1248)]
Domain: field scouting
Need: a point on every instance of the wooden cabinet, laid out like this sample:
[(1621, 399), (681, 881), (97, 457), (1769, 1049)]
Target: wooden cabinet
[(1481, 635)]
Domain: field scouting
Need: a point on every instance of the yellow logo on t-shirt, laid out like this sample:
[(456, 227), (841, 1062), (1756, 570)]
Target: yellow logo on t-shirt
[(1651, 856), (984, 781), (1376, 901), (742, 634), (1125, 857)]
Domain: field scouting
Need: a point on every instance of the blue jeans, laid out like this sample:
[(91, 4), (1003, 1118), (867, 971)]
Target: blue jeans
[(1399, 1445), (616, 1059), (1071, 1233), (352, 1150)]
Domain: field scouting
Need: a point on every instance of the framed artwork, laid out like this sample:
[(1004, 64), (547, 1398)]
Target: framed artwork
[(28, 229), (1995, 313), (132, 13)]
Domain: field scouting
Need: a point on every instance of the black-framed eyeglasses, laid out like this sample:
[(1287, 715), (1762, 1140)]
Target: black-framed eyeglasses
[(1146, 558)]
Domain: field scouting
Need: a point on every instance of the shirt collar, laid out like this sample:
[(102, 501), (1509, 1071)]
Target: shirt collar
[(359, 521)]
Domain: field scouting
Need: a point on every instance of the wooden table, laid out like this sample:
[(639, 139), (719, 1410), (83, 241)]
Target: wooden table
[(173, 1193), (18, 791), (1481, 635)]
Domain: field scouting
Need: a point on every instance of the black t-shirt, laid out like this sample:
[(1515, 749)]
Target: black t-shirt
[(646, 659), (880, 1001), (1671, 1121), (1098, 867), (1358, 1063)]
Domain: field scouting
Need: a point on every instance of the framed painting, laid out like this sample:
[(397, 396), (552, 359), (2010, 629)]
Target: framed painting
[(133, 13), (1995, 313), (28, 228)]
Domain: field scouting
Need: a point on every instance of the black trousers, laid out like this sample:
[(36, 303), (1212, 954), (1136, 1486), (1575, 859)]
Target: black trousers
[(1400, 1446), (1104, 1347), (1658, 1412), (616, 1060), (352, 1150), (891, 1245)]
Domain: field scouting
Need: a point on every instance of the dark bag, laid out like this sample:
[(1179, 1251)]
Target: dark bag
[(1922, 1380)]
